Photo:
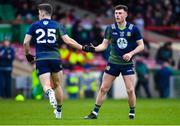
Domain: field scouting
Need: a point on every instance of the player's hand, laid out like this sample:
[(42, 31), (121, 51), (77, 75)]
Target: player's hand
[(30, 58), (127, 57), (88, 48)]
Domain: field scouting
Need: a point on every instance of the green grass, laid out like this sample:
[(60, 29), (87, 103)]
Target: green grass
[(113, 112)]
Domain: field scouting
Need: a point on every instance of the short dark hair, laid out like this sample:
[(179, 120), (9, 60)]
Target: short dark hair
[(118, 7), (46, 7)]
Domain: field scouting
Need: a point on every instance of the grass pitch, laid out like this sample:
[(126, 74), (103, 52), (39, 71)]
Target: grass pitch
[(113, 112)]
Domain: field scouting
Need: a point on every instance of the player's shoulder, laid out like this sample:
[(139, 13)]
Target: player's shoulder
[(35, 23), (131, 26), (112, 26), (55, 23)]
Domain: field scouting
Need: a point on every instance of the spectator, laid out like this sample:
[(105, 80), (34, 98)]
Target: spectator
[(162, 80), (72, 86), (96, 34), (142, 76), (139, 22), (6, 60), (165, 53), (88, 82), (18, 19)]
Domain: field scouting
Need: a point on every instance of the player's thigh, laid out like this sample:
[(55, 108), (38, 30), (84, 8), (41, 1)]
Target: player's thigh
[(129, 81), (57, 78), (107, 80), (45, 79)]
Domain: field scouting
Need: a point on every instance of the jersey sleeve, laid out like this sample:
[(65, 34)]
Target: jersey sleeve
[(62, 30), (107, 34), (137, 34), (31, 30)]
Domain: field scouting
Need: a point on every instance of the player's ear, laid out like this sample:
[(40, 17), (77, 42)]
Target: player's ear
[(126, 14)]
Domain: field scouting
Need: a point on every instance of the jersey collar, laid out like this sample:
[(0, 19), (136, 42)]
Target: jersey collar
[(121, 28)]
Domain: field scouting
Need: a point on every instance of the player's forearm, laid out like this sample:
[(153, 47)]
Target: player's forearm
[(26, 48), (100, 48), (26, 45), (73, 43), (138, 49)]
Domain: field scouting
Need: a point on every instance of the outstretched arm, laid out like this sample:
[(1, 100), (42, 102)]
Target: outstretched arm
[(102, 46), (99, 48), (71, 42)]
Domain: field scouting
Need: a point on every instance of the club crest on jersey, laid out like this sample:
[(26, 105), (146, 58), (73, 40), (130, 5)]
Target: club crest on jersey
[(128, 33), (45, 22), (122, 43)]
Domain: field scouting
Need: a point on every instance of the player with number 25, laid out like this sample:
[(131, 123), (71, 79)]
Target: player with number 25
[(45, 34)]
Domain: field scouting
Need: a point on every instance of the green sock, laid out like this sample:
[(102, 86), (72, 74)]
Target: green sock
[(96, 108), (59, 108)]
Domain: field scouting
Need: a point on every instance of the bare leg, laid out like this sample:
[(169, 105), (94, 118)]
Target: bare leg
[(105, 86), (46, 84), (58, 81), (130, 84), (45, 81)]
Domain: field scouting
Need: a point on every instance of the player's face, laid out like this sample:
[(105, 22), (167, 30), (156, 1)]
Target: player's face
[(120, 15)]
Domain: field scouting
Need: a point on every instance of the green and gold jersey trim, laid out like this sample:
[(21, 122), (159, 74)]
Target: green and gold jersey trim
[(49, 55)]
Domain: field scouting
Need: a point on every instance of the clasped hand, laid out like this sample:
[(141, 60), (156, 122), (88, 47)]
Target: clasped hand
[(88, 48)]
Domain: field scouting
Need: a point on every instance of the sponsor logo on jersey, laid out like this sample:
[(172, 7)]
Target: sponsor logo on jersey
[(115, 33), (130, 70)]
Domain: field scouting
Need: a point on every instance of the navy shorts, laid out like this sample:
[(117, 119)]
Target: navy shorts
[(116, 69), (46, 66)]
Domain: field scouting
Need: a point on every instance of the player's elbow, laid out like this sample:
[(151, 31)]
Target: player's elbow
[(67, 40), (142, 47)]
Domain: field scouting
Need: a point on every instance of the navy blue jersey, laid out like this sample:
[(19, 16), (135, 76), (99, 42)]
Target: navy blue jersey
[(122, 41), (46, 35)]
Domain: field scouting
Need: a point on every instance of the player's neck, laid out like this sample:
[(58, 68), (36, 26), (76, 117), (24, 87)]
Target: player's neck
[(46, 17), (121, 25)]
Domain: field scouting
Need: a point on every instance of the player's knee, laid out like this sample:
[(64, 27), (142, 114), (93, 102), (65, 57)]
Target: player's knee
[(130, 91), (104, 89)]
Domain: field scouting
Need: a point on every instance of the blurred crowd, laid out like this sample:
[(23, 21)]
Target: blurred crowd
[(144, 13), (159, 13)]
